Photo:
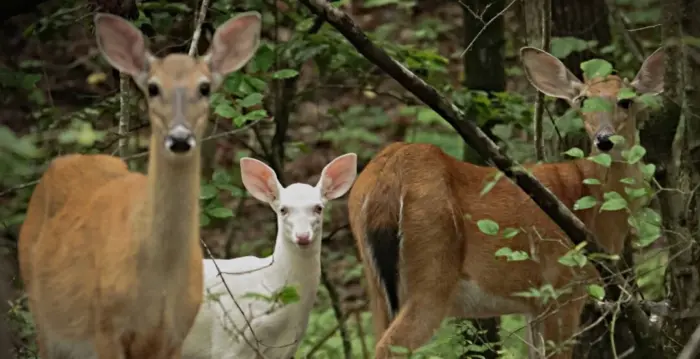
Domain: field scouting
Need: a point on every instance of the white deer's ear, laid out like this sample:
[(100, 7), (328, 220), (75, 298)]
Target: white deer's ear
[(260, 180), (338, 176)]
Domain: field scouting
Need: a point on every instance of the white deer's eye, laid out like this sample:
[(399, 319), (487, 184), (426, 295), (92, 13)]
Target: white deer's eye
[(318, 209), (284, 211)]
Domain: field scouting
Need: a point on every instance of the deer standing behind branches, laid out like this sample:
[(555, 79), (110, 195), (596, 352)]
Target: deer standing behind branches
[(221, 330), (111, 258), (413, 213)]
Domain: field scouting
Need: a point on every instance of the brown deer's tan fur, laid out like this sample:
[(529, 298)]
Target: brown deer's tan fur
[(111, 258), (413, 213)]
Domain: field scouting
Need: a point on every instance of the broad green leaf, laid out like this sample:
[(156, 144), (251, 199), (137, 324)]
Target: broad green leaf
[(285, 74), (648, 170), (585, 203), (634, 154), (207, 192), (636, 192), (602, 159), (511, 255), (626, 93), (573, 258), (510, 232), (225, 110), (487, 226), (220, 212), (596, 104), (574, 152), (613, 204), (596, 68), (617, 139), (288, 295), (251, 100), (596, 291), (628, 180), (204, 220), (591, 181)]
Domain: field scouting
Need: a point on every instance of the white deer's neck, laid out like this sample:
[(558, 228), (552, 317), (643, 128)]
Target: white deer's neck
[(169, 217), (300, 266)]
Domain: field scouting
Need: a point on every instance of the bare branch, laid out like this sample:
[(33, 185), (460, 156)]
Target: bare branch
[(199, 19)]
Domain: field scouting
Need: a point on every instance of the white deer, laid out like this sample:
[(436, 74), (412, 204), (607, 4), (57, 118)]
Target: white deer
[(222, 328)]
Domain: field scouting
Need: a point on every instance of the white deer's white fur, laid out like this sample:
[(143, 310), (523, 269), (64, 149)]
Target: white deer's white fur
[(278, 329)]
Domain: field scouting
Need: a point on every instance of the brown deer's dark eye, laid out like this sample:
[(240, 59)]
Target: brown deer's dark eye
[(204, 89), (153, 90), (625, 103), (284, 211), (318, 209)]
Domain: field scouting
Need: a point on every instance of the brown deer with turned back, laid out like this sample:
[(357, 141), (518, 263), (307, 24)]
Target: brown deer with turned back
[(413, 213), (110, 258)]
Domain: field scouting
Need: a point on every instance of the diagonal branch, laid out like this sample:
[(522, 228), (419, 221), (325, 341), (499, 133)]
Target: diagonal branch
[(471, 134)]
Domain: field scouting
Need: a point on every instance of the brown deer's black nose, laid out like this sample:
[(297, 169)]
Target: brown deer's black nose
[(603, 142)]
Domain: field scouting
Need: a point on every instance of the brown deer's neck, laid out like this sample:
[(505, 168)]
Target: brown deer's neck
[(611, 227), (169, 218)]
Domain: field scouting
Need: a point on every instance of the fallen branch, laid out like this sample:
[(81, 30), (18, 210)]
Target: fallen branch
[(487, 149)]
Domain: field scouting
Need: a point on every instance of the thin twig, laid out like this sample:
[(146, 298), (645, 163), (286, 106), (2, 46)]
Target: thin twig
[(199, 19), (545, 28), (487, 25), (124, 115)]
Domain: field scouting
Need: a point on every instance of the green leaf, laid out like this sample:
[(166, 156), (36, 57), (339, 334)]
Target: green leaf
[(596, 104), (636, 192), (225, 110), (626, 93), (220, 212), (596, 68), (617, 139), (574, 152), (510, 232), (207, 192), (285, 74), (204, 220), (650, 100), (591, 181), (602, 159), (628, 180), (264, 58), (634, 154), (614, 204), (649, 170), (251, 100), (585, 203), (288, 295), (573, 258), (596, 291), (487, 226), (221, 177), (511, 255)]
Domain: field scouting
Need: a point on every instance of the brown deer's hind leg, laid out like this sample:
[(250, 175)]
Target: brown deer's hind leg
[(431, 260), (561, 324)]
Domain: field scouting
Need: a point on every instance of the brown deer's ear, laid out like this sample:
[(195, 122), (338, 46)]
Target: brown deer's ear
[(234, 43), (122, 45), (650, 78), (549, 75)]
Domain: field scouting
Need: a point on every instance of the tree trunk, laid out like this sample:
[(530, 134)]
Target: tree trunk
[(483, 62), (484, 71), (682, 172), (586, 20)]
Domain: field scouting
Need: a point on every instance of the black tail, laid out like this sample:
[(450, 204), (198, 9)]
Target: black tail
[(384, 244)]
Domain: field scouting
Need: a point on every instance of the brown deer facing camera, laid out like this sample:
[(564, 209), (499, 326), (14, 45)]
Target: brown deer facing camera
[(413, 213), (111, 258)]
